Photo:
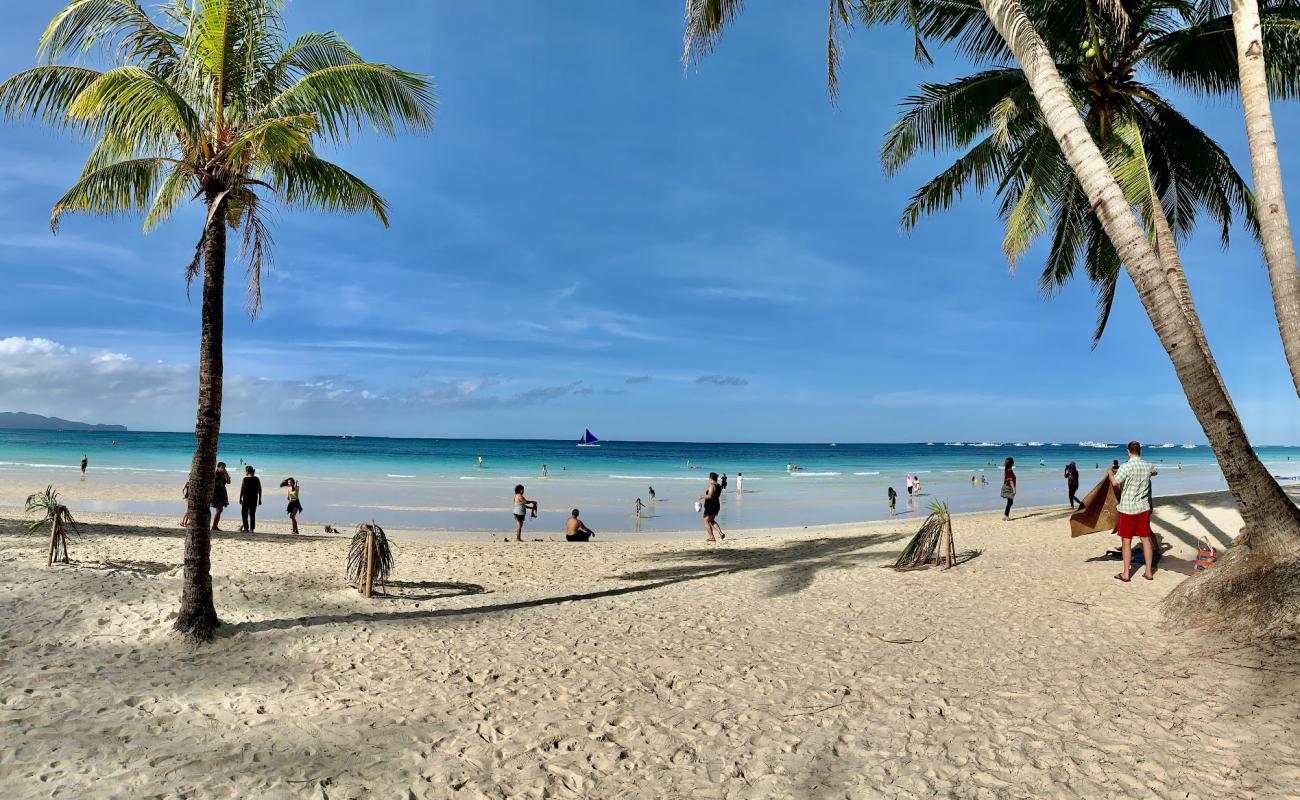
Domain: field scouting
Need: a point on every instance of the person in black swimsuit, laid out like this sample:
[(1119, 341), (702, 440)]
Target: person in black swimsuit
[(712, 505)]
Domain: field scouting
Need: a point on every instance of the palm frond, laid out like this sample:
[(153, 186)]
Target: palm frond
[(45, 93), (311, 182), (50, 508), (179, 185), (948, 115), (980, 166), (124, 187), (348, 96), (120, 27), (705, 20), (271, 141), (383, 561), (135, 105), (1202, 58)]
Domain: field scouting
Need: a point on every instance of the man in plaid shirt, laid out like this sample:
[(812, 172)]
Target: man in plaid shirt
[(1134, 481)]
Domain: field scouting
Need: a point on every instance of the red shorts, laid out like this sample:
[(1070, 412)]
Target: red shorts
[(1138, 525)]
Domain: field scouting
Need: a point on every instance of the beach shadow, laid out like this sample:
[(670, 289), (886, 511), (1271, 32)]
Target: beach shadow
[(17, 525), (124, 565), (795, 564), (428, 590), (436, 613)]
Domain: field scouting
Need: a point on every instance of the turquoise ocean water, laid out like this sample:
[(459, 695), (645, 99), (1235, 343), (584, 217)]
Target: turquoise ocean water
[(437, 485)]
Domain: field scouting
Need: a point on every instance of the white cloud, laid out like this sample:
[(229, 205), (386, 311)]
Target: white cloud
[(46, 377)]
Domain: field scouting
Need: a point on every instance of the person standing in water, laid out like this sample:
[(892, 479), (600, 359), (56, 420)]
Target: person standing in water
[(294, 508), (712, 504), (893, 498), (652, 494), (1008, 486), (740, 483), (1134, 483), (1072, 484), (85, 462), (636, 509), (545, 474), (220, 496), (250, 497), (910, 481), (521, 508)]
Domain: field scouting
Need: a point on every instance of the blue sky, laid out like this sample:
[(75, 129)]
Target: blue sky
[(591, 237)]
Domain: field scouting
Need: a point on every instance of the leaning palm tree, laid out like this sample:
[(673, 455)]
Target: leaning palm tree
[(209, 100), (1262, 56), (1273, 518)]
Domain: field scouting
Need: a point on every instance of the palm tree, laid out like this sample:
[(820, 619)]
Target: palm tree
[(1170, 170), (1273, 519), (1255, 39), (211, 101)]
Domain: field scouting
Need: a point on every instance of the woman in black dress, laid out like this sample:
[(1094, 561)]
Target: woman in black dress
[(712, 500), (220, 496)]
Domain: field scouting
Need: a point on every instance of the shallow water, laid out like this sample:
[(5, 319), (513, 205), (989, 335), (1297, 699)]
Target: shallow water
[(437, 484)]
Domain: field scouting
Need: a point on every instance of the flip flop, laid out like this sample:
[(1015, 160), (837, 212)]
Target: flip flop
[(1148, 577), (1122, 579)]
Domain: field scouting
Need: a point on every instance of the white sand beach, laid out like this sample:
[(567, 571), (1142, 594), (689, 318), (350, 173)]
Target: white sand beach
[(777, 664)]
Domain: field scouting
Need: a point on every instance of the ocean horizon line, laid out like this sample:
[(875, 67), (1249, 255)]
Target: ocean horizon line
[(948, 442)]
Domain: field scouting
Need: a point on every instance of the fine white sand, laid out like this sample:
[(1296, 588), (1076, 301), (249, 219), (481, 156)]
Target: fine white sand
[(776, 664)]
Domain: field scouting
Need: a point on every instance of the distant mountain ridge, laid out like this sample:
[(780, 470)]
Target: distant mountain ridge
[(36, 422)]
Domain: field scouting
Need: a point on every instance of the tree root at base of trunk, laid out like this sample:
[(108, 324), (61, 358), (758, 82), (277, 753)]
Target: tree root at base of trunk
[(199, 631), (1248, 595)]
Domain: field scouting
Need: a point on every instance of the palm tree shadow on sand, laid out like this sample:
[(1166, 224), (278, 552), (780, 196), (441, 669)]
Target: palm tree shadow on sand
[(796, 565)]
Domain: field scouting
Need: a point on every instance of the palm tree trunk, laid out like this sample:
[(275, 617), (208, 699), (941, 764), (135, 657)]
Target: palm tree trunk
[(1266, 171), (1274, 521), (1167, 252), (197, 618)]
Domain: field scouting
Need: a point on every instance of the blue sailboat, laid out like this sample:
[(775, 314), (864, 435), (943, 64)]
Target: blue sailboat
[(588, 439)]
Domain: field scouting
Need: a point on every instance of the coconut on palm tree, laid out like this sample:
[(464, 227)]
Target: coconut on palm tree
[(1003, 25), (209, 100)]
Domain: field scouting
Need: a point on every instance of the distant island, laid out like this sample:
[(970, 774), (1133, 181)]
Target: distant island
[(35, 422)]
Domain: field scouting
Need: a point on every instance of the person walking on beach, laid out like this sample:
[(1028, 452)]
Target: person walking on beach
[(250, 497), (1072, 484), (521, 508), (1134, 483), (1008, 486), (575, 530), (185, 495), (712, 500), (294, 508), (893, 498), (85, 462), (220, 495)]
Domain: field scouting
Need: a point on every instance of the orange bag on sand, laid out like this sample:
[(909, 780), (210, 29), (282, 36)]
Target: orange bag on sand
[(1206, 555), (1100, 510)]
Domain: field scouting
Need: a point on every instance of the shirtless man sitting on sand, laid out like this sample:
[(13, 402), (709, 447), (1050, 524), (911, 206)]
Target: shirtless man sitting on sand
[(575, 530)]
